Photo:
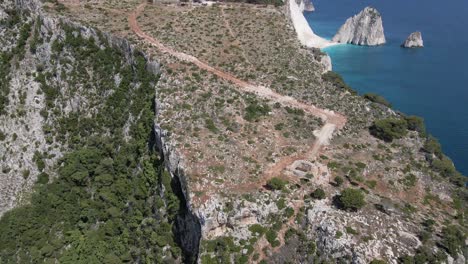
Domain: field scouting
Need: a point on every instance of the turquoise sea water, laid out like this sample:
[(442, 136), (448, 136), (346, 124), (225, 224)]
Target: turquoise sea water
[(431, 82)]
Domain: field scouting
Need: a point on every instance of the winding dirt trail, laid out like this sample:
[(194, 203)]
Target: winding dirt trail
[(331, 119)]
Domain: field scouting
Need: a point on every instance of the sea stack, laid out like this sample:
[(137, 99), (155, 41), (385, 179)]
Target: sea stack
[(308, 5), (365, 28), (414, 40), (305, 5)]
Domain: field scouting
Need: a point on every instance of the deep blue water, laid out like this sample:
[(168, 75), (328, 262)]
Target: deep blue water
[(431, 82)]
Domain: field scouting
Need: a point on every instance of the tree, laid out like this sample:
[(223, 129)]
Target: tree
[(351, 199), (276, 183), (389, 129), (318, 194)]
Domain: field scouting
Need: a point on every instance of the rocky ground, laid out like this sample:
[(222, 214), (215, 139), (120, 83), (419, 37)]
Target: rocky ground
[(226, 143)]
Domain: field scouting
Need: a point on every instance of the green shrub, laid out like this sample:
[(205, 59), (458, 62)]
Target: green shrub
[(444, 166), (337, 81), (409, 180), (276, 184), (318, 194), (416, 123), (210, 125), (339, 180), (281, 203), (288, 212), (351, 199), (351, 231), (271, 237), (338, 234), (377, 99), (43, 178), (389, 129), (433, 146), (452, 239), (257, 229), (254, 111), (371, 183)]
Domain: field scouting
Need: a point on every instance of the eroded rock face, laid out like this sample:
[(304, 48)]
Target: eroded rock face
[(365, 28), (414, 40)]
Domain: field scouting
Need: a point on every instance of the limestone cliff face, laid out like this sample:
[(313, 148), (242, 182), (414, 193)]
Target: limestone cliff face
[(365, 28), (414, 40)]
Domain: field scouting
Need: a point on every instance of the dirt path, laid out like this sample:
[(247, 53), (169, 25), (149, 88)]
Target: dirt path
[(332, 120)]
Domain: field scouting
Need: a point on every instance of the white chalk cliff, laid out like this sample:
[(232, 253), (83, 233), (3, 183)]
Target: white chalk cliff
[(304, 33), (365, 28), (414, 40)]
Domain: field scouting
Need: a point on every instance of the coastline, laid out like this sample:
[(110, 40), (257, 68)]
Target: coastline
[(308, 38), (304, 32)]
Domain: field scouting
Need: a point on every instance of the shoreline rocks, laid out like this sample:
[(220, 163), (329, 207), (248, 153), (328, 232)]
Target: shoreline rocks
[(365, 28), (414, 40)]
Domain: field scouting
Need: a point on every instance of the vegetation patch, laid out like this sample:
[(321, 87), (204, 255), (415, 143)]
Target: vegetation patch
[(389, 129), (351, 199), (276, 184), (377, 99)]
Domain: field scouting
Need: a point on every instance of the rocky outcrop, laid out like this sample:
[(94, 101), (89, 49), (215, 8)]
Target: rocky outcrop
[(323, 58), (306, 5), (365, 28), (414, 40), (326, 62)]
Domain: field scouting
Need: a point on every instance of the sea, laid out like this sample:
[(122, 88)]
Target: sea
[(431, 82)]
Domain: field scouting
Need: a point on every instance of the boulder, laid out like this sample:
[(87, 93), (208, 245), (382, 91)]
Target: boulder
[(365, 28), (414, 40)]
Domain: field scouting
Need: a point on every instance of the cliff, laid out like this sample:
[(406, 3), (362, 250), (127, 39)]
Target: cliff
[(304, 32), (65, 75), (365, 28), (414, 40)]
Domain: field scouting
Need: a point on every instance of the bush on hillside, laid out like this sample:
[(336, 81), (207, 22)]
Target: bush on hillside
[(351, 199), (337, 81), (389, 129), (254, 111), (377, 99), (433, 146), (444, 166), (339, 180), (276, 183), (416, 123), (452, 239), (318, 194)]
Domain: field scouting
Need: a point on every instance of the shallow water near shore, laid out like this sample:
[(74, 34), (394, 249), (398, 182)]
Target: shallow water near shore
[(431, 82)]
